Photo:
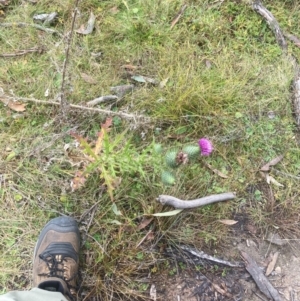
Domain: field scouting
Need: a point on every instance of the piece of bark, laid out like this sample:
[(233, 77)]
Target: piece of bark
[(260, 279), (272, 22), (293, 38), (120, 91), (188, 204), (272, 263)]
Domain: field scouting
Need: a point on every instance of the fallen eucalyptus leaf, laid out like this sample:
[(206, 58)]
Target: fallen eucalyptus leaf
[(90, 26), (216, 171), (144, 223), (168, 213), (129, 67), (270, 179), (116, 222), (144, 79), (271, 265), (115, 209), (273, 162), (46, 19), (228, 222)]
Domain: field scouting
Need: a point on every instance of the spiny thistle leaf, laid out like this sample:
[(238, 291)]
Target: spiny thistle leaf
[(192, 151), (158, 148), (171, 158), (85, 146), (105, 127), (167, 178)]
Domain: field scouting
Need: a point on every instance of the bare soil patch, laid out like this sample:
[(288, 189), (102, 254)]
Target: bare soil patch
[(216, 282)]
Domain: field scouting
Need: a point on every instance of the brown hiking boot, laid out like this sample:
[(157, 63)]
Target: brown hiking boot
[(56, 258)]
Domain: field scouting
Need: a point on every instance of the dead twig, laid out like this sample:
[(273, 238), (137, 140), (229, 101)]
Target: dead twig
[(296, 98), (187, 204), (202, 255), (23, 52), (260, 279), (108, 112), (39, 27), (101, 99), (63, 97), (272, 22), (178, 16)]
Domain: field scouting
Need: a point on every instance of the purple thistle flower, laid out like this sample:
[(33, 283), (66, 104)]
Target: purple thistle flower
[(206, 146)]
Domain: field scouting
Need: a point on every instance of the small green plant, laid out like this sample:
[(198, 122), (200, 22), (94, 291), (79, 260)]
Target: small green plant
[(113, 157)]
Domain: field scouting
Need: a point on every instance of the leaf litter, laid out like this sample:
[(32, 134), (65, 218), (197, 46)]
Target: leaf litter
[(14, 105), (88, 29)]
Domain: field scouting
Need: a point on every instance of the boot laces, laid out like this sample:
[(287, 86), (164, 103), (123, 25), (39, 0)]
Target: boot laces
[(58, 269)]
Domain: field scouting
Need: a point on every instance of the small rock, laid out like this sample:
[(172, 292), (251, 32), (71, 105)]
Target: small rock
[(277, 270)]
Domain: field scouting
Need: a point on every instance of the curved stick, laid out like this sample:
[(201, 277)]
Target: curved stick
[(270, 19), (186, 204)]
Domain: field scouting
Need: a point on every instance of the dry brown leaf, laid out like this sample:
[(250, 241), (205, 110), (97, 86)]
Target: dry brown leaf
[(270, 179), (216, 171), (180, 13), (4, 2), (221, 291), (78, 180), (144, 223), (88, 78), (273, 162), (114, 10), (14, 105), (271, 265), (144, 238), (129, 67), (228, 222), (150, 236)]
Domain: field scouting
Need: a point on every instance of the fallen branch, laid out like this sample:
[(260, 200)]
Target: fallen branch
[(188, 204), (22, 24), (260, 279), (108, 112), (270, 19), (272, 22)]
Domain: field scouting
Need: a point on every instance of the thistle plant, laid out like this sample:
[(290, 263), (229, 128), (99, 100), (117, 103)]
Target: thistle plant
[(175, 158)]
